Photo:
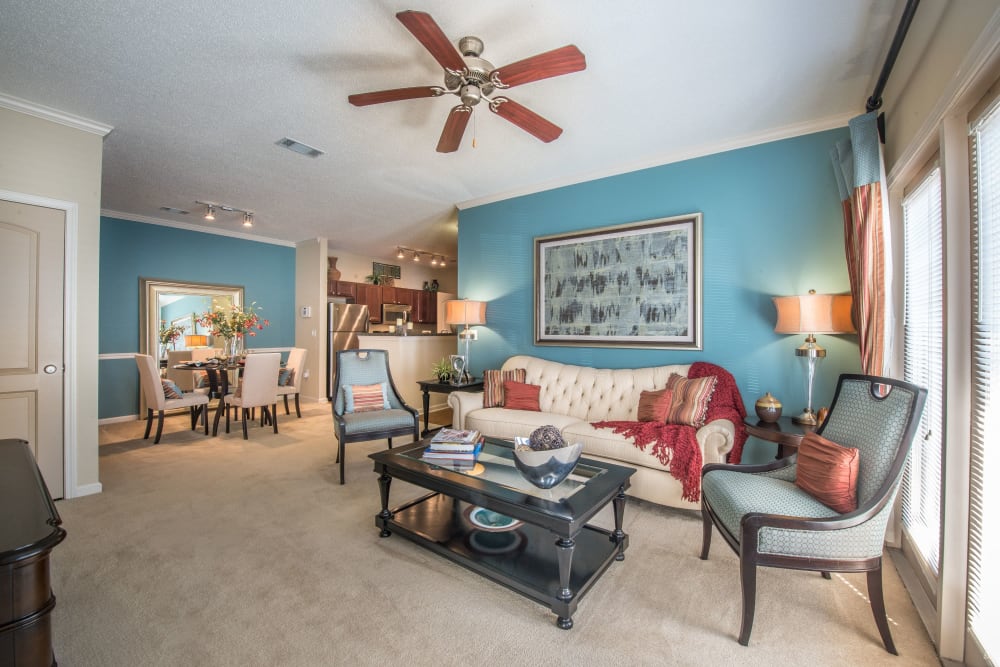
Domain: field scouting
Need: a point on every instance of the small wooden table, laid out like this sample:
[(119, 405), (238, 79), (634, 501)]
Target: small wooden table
[(785, 432), (442, 388)]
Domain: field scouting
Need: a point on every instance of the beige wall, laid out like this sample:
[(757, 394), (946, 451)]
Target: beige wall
[(47, 159), (310, 332), (355, 267)]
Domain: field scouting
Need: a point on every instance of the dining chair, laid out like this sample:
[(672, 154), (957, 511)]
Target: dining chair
[(295, 366), (156, 399), (257, 388), (387, 417), (182, 378), (797, 512)]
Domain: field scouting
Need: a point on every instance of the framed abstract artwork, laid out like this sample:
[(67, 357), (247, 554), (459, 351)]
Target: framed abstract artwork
[(632, 285)]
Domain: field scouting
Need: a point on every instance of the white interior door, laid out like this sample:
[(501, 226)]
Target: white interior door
[(31, 333)]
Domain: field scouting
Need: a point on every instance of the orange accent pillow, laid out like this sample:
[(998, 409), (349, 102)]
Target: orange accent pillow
[(828, 472), (654, 406), (493, 381), (520, 396), (690, 401)]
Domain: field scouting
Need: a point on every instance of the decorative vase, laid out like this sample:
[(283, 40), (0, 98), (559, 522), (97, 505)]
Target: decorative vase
[(332, 273), (768, 408), (233, 349)]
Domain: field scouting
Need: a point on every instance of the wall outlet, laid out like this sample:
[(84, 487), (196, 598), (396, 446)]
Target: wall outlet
[(305, 373)]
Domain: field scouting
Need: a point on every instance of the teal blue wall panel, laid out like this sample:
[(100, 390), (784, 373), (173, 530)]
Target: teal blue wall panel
[(772, 226), (130, 250)]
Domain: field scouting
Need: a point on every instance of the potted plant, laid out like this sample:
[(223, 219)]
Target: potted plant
[(442, 370)]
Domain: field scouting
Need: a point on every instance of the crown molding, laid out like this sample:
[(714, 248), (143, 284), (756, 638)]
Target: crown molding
[(54, 115), (133, 217), (786, 132)]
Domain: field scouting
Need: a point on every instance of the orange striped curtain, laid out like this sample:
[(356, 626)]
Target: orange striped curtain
[(860, 171)]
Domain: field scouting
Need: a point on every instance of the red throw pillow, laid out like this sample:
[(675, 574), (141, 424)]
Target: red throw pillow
[(520, 396), (828, 472), (493, 385), (690, 401), (654, 406)]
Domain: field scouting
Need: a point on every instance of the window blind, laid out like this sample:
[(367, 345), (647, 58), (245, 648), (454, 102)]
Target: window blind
[(923, 362), (984, 491)]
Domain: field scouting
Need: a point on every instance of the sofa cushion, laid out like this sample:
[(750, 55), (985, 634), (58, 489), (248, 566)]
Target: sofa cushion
[(654, 406), (504, 423), (690, 399), (608, 444), (521, 396), (493, 381)]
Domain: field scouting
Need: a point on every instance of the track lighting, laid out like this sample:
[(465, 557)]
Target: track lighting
[(439, 261), (212, 207), (247, 219), (416, 256), (210, 213), (399, 253), (434, 260)]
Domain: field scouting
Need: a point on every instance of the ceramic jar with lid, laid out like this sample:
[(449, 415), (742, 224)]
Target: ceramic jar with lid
[(768, 408)]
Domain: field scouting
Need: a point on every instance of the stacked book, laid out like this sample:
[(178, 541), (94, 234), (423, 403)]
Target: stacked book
[(454, 448)]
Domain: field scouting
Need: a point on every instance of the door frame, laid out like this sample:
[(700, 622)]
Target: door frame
[(70, 250)]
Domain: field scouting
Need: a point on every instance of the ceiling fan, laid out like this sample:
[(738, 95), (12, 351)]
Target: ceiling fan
[(473, 80)]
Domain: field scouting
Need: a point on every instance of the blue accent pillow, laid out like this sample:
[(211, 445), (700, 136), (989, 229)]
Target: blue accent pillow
[(170, 389), (284, 375)]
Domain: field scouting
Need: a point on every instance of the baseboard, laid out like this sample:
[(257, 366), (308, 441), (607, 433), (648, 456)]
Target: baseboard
[(87, 489), (117, 420)]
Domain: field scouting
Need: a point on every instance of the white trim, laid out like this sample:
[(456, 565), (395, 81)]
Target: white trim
[(54, 115), (71, 211), (117, 355), (88, 489), (117, 420), (977, 58), (767, 136), (261, 350), (135, 217)]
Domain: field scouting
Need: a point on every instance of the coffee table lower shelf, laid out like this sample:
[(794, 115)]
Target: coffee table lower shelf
[(525, 559)]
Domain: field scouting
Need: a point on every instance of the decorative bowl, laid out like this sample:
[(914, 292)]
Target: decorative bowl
[(547, 467)]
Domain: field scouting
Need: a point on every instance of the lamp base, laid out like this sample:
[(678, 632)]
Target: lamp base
[(807, 418)]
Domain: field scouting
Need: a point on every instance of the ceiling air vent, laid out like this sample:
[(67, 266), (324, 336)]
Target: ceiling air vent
[(299, 147)]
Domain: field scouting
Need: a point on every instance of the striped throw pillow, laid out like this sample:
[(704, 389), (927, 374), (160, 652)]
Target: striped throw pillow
[(493, 385), (366, 397), (171, 390), (690, 400)]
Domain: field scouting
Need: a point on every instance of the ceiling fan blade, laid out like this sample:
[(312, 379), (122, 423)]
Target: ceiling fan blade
[(556, 62), (454, 128), (394, 95), (525, 118), (433, 38)]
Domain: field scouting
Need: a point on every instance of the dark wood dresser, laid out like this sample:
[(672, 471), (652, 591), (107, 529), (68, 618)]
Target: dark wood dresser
[(29, 530)]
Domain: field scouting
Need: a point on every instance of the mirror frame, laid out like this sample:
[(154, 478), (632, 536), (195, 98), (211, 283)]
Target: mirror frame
[(149, 295)]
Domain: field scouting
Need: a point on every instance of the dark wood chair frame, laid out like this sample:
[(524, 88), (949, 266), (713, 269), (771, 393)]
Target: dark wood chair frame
[(751, 524), (196, 411), (341, 426)]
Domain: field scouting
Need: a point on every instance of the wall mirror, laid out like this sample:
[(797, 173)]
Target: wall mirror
[(179, 303)]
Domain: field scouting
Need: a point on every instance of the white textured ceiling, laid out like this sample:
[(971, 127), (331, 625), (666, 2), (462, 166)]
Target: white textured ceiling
[(198, 93)]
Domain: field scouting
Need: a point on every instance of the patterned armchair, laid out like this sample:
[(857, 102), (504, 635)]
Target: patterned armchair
[(770, 521), (359, 368)]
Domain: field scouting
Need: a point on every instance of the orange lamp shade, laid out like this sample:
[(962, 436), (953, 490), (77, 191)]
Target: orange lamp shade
[(814, 314), (463, 311), (195, 340)]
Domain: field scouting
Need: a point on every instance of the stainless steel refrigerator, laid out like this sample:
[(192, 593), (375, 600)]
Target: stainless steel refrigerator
[(344, 322)]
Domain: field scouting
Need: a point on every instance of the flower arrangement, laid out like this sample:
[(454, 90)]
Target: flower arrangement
[(169, 334), (233, 321)]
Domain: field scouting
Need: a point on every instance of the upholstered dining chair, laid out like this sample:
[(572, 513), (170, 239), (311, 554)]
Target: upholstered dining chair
[(257, 388), (769, 519), (156, 399), (295, 366), (360, 376)]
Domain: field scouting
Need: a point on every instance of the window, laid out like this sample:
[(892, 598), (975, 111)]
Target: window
[(984, 491), (923, 365)]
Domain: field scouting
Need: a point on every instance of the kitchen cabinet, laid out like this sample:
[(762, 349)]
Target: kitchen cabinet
[(345, 288), (389, 294), (371, 296), (406, 296), (425, 308)]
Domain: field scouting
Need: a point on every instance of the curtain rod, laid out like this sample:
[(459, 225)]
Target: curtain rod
[(875, 101)]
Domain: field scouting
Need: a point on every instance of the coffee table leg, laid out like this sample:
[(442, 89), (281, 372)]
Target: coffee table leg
[(565, 547), (619, 535), (385, 515)]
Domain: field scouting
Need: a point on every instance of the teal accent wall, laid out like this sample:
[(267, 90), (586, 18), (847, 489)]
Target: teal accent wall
[(772, 225), (130, 250)]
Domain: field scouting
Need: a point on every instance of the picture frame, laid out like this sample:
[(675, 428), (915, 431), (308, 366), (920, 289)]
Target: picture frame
[(637, 284), (388, 270)]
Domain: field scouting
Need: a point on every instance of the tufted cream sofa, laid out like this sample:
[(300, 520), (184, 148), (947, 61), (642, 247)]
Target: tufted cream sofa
[(572, 397)]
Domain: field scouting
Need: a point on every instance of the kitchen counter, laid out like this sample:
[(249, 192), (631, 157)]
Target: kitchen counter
[(411, 358)]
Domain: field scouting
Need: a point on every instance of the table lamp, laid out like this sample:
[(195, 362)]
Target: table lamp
[(467, 313), (812, 314), (195, 340)]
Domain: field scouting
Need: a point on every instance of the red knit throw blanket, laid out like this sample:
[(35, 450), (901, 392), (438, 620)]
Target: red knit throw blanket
[(675, 445)]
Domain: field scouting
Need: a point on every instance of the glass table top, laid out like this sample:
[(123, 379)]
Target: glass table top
[(496, 464)]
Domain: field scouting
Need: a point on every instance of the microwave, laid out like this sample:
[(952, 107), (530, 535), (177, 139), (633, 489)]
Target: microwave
[(395, 311)]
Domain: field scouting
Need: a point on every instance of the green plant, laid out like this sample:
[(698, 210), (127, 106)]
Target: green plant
[(373, 279), (442, 369)]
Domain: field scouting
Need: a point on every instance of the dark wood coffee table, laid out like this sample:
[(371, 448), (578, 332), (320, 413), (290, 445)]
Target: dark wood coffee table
[(553, 557)]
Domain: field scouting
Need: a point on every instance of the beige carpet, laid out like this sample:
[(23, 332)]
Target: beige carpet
[(220, 551)]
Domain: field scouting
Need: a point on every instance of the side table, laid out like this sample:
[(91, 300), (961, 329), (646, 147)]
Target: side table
[(442, 388), (786, 433)]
